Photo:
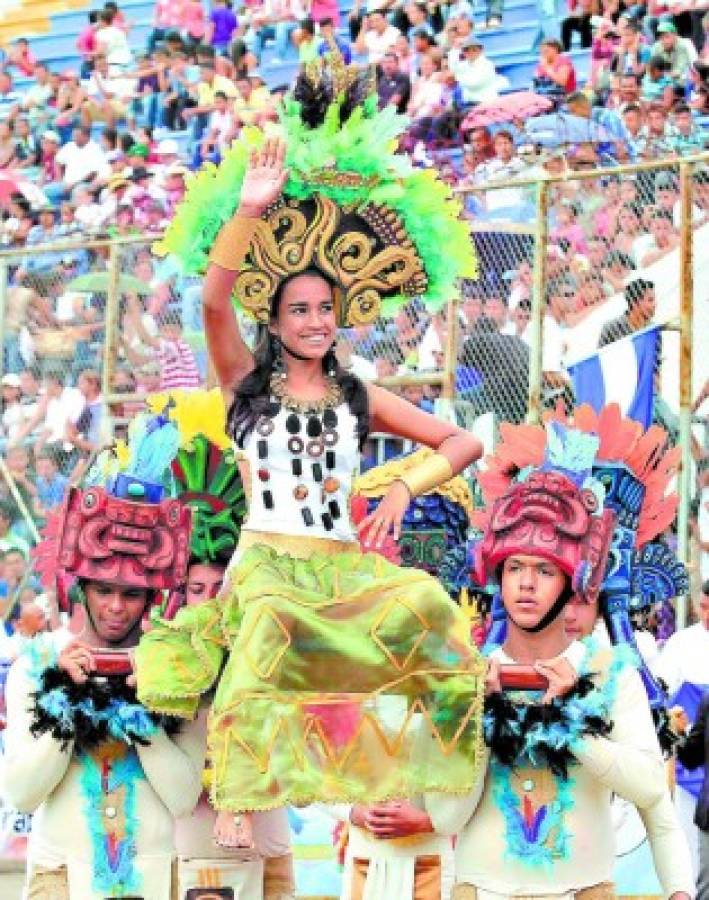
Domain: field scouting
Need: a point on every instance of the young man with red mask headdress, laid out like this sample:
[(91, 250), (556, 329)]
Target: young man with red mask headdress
[(541, 822), (103, 776)]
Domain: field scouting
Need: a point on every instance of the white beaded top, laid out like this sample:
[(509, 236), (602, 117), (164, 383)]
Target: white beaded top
[(291, 494)]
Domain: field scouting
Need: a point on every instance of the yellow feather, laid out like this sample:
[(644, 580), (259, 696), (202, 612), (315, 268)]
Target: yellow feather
[(194, 413)]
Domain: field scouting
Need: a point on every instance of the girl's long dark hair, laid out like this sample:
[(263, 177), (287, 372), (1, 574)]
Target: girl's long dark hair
[(252, 397)]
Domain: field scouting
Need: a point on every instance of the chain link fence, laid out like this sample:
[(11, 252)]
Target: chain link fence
[(570, 262)]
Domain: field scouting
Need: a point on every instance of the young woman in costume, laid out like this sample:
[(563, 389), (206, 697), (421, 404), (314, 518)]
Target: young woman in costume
[(344, 677)]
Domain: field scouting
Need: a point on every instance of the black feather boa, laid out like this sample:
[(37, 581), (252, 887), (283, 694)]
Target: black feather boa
[(101, 709), (543, 734)]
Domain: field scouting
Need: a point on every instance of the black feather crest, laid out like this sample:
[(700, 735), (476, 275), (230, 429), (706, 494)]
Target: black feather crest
[(507, 724), (84, 703)]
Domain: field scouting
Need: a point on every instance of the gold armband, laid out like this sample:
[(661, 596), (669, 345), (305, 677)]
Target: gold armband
[(232, 243), (430, 473)]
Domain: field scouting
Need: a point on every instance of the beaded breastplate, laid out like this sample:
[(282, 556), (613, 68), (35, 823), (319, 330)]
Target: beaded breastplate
[(302, 459)]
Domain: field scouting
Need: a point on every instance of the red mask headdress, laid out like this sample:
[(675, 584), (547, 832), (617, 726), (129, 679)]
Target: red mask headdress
[(122, 532)]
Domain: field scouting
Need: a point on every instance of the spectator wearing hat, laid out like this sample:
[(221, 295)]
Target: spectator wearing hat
[(173, 182), (375, 37), (393, 86), (474, 72), (679, 52)]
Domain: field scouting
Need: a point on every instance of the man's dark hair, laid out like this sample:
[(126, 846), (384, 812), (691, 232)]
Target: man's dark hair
[(636, 289), (659, 63), (308, 26), (705, 587), (93, 17)]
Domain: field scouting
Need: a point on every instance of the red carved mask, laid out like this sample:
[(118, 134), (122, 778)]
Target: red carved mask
[(104, 538), (549, 516)]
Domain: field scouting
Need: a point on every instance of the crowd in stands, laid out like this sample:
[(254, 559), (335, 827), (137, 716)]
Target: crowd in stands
[(104, 151)]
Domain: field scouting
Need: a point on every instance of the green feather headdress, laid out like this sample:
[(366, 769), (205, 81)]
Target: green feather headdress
[(378, 229)]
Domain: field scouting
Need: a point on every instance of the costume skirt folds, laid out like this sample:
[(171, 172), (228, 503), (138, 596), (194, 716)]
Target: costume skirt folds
[(345, 678)]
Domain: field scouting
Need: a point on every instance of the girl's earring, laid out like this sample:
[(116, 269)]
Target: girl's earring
[(331, 369)]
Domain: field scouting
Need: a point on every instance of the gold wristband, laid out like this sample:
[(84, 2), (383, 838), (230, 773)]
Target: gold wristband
[(232, 244), (432, 472)]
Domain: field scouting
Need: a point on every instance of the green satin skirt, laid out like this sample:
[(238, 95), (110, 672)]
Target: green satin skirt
[(339, 678)]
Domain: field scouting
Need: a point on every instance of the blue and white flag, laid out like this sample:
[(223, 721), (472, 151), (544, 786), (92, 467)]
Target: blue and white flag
[(622, 373)]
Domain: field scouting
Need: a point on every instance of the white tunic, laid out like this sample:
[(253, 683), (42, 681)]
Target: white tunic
[(42, 778), (286, 516)]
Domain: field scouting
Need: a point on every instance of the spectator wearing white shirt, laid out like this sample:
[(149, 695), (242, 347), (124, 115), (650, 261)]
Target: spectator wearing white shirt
[(376, 37), (474, 72), (108, 95), (221, 128), (663, 238), (59, 406), (277, 19), (505, 165), (81, 159), (111, 41)]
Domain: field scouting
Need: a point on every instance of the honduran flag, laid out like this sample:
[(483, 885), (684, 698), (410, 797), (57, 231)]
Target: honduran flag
[(622, 373)]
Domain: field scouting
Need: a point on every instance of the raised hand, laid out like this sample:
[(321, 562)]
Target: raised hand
[(265, 178)]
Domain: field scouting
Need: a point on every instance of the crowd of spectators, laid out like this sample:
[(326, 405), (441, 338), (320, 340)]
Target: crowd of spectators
[(104, 151)]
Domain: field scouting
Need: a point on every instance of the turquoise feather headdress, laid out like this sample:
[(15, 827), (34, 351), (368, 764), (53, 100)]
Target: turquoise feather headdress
[(376, 227)]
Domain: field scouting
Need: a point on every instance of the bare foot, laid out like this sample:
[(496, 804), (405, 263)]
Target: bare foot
[(234, 831)]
